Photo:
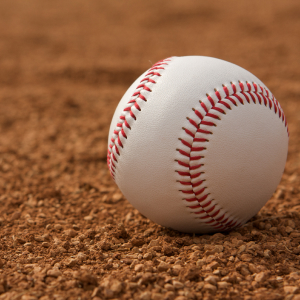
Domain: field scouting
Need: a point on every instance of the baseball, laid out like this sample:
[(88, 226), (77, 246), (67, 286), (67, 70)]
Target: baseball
[(198, 144)]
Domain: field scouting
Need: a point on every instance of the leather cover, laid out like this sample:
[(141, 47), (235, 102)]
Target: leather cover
[(205, 147)]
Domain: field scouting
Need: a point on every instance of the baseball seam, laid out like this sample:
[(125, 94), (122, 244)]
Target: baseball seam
[(130, 112), (193, 185)]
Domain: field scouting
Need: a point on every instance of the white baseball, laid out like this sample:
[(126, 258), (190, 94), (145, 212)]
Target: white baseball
[(198, 144)]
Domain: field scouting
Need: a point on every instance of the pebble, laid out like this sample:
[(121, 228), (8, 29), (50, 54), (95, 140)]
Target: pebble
[(70, 232), (148, 256), (211, 279), (28, 297), (181, 298), (138, 267), (290, 289), (145, 296), (148, 231), (54, 273), (39, 238), (163, 267), (154, 243), (260, 277), (116, 286), (169, 287), (71, 262), (210, 288), (57, 227), (223, 285), (267, 253), (289, 229), (241, 249), (246, 257), (177, 284), (157, 296), (61, 249), (88, 218)]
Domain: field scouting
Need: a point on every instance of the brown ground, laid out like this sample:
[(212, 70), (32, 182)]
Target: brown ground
[(66, 231)]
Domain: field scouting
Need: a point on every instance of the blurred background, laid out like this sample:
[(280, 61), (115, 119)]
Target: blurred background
[(64, 65)]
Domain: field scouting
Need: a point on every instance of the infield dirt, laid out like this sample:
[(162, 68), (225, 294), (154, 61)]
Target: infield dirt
[(66, 230)]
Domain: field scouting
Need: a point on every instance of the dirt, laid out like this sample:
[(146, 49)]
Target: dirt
[(66, 230)]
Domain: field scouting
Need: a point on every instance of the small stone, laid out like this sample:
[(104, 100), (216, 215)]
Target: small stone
[(223, 285), (294, 276), (38, 238), (295, 234), (117, 197), (28, 297), (154, 243), (213, 265), (70, 262), (81, 256), (54, 273), (16, 215), (105, 245), (181, 298), (288, 229), (291, 223), (260, 277), (211, 279), (61, 250), (290, 289), (132, 285), (169, 295), (76, 227), (70, 232), (96, 291), (148, 256), (201, 262), (244, 271), (162, 267), (138, 267), (145, 296), (82, 237), (279, 194), (267, 253), (45, 244), (116, 286), (209, 288), (127, 245), (176, 269), (199, 286), (177, 284), (169, 287), (157, 296), (88, 218), (242, 248), (20, 240), (148, 231), (196, 240), (246, 257), (57, 227)]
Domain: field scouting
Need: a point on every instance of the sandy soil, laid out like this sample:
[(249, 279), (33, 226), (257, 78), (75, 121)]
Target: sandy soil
[(66, 230)]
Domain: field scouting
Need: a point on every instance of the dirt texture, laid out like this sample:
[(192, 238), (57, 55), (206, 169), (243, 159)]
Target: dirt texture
[(66, 230)]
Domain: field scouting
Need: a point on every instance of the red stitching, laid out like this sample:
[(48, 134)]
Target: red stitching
[(209, 212), (119, 132)]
